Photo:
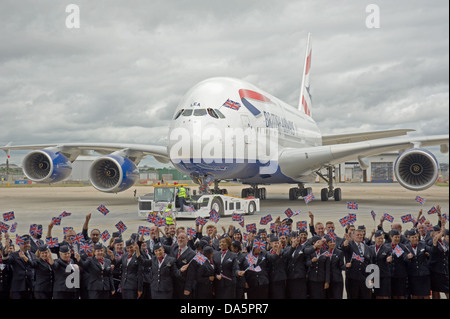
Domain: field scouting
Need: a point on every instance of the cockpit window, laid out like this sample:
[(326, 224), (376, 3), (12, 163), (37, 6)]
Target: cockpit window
[(212, 113), (219, 114), (178, 114), (199, 112), (187, 112)]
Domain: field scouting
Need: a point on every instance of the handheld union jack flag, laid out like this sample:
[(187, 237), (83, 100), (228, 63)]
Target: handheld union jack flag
[(266, 219), (352, 205), (161, 221), (87, 247), (373, 215), (66, 229), (358, 257), (4, 227), (345, 221), (352, 218), (283, 230), (332, 235), (121, 227), (236, 217), (52, 242), (302, 225), (398, 251), (143, 230), (13, 228), (200, 221), (289, 213), (259, 243), (102, 209), (56, 221), (309, 198), (251, 259), (199, 258), (432, 210), (105, 236), (388, 217), (8, 216), (326, 253), (152, 218), (191, 232), (422, 220), (19, 240), (406, 218), (77, 238), (64, 214), (214, 216), (420, 200), (253, 268), (251, 228)]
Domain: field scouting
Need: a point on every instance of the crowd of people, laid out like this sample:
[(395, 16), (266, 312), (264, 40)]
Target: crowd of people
[(175, 262)]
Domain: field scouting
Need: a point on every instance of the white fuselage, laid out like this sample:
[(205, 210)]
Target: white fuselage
[(229, 129)]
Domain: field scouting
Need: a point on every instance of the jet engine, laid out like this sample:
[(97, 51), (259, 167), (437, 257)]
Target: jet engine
[(46, 166), (416, 169), (113, 173)]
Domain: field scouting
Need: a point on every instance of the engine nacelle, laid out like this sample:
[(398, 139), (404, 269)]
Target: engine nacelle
[(113, 173), (46, 166), (416, 169)]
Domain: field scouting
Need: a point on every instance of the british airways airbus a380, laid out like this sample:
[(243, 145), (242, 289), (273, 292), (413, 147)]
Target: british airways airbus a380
[(227, 129)]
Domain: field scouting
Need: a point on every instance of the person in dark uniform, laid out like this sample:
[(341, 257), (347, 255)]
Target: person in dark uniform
[(418, 270), (164, 272), (205, 275), (258, 281), (100, 285), (358, 257), (115, 255), (5, 273), (36, 240), (22, 265), (132, 278), (277, 269), (296, 287), (337, 266), (236, 247), (382, 257), (318, 265), (61, 266), (398, 266), (439, 264), (146, 268), (227, 269), (43, 274)]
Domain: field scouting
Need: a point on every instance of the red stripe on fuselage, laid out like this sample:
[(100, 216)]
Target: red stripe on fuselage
[(253, 95)]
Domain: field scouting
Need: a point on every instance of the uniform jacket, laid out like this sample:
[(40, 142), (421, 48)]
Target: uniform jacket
[(357, 270), (296, 262), (43, 276), (318, 271), (22, 273), (100, 275)]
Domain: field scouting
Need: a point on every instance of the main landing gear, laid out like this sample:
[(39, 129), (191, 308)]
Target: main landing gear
[(254, 191), (329, 192), (300, 191)]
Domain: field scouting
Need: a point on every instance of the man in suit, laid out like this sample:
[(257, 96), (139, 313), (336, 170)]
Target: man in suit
[(22, 263), (358, 257), (36, 240)]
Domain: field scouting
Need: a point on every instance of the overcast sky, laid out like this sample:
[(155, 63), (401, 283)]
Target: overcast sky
[(119, 77)]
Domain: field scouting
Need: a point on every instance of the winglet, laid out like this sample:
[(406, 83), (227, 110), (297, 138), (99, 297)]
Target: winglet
[(305, 101)]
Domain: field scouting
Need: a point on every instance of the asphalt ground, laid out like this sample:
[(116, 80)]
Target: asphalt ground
[(38, 205)]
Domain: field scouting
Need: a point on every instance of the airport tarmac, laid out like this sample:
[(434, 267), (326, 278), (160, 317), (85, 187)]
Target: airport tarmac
[(40, 204)]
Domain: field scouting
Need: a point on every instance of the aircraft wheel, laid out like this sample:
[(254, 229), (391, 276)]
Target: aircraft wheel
[(337, 194), (324, 194)]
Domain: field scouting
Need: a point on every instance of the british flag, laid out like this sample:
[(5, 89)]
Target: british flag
[(283, 230), (78, 238), (188, 208), (398, 251), (200, 258), (352, 218), (373, 215), (102, 209), (64, 214), (388, 217), (214, 216), (161, 221), (266, 219), (8, 216), (143, 230), (406, 218), (152, 218), (432, 210), (66, 229), (200, 221), (422, 220), (191, 232), (52, 242), (302, 225), (13, 228), (236, 217), (259, 243), (251, 228), (232, 105), (251, 259), (352, 205), (56, 221), (420, 200), (332, 235), (255, 269), (289, 213), (105, 235), (87, 247), (19, 240), (358, 257), (326, 253), (121, 227), (344, 221), (4, 227), (309, 198)]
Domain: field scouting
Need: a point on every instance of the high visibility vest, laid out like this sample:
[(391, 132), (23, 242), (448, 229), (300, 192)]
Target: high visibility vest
[(169, 219), (181, 192)]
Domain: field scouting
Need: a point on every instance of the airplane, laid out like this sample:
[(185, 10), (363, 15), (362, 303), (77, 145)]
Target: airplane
[(219, 130)]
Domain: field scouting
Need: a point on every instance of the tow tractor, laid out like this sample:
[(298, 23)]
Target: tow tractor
[(196, 205)]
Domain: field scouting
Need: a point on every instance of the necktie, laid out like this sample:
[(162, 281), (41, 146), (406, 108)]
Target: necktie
[(360, 249), (179, 253)]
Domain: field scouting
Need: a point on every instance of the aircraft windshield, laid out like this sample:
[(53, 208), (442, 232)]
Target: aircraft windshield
[(164, 194)]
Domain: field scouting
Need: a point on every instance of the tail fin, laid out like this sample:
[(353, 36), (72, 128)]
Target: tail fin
[(305, 102)]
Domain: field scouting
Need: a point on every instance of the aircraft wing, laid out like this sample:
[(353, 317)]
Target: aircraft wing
[(295, 162), (359, 137), (72, 150)]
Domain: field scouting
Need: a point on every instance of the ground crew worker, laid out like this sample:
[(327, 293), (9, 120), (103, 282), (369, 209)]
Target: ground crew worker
[(168, 214), (182, 197)]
